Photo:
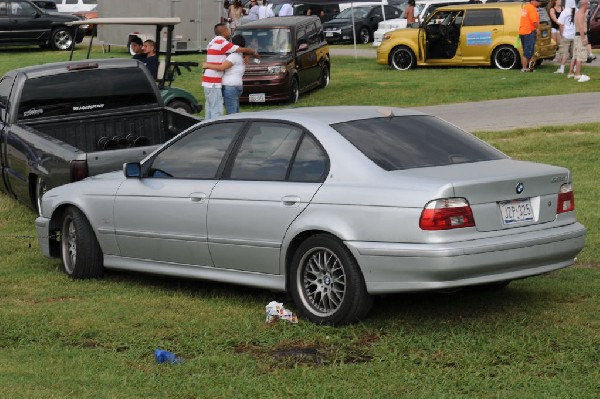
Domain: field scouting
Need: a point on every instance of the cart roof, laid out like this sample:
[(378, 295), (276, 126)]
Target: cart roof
[(128, 21)]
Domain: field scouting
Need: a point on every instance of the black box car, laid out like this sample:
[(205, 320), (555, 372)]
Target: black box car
[(366, 19)]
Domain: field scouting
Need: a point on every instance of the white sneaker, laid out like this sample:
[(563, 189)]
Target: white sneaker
[(560, 70), (571, 75), (583, 78)]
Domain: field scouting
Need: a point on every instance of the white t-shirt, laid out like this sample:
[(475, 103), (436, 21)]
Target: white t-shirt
[(233, 76), (568, 24), (286, 10), (265, 12)]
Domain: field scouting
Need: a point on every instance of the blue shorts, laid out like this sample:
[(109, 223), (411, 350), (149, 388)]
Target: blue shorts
[(528, 42)]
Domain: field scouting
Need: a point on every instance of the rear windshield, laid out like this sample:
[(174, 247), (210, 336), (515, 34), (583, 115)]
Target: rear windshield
[(85, 91), (407, 142)]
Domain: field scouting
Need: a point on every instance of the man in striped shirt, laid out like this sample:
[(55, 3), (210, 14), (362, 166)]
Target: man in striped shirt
[(217, 52)]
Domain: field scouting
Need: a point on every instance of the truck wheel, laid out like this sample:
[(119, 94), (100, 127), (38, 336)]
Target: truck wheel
[(505, 57), (81, 254), (326, 283), (402, 58), (294, 91), (40, 190), (181, 105), (61, 39)]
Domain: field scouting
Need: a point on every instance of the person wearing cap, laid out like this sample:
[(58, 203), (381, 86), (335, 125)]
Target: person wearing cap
[(580, 52), (528, 28)]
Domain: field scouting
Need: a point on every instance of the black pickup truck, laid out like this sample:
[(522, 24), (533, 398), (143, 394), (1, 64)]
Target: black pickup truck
[(66, 121)]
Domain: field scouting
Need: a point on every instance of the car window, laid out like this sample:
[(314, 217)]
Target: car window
[(267, 41), (310, 163), (266, 151), (490, 16), (197, 155), (415, 142), (22, 9), (391, 12), (3, 8), (71, 2), (311, 34)]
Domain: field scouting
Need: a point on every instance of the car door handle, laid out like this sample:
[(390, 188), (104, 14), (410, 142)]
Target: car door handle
[(290, 200), (197, 197)]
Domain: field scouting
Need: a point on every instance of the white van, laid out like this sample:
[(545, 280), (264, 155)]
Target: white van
[(73, 6), (422, 9)]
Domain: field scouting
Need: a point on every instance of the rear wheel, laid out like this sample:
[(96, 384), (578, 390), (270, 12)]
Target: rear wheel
[(364, 35), (81, 254), (505, 57), (294, 91), (61, 39), (402, 58), (181, 105), (325, 77), (326, 282)]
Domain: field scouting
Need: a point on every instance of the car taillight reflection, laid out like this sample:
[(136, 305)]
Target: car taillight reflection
[(446, 213), (79, 170)]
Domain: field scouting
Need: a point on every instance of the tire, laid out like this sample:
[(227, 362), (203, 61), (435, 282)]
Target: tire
[(325, 76), (181, 105), (294, 91), (505, 57), (40, 190), (402, 58), (81, 254), (326, 283), (364, 35), (61, 39)]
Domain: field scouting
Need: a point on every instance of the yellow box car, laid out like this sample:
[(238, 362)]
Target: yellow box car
[(468, 35)]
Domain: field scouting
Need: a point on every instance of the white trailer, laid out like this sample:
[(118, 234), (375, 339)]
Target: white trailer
[(196, 30)]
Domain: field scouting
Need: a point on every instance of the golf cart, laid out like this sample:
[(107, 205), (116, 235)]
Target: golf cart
[(172, 97)]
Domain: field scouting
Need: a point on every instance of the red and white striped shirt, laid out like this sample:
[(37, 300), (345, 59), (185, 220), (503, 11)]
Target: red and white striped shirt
[(217, 51)]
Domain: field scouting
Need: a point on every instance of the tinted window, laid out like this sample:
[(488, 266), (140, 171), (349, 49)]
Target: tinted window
[(483, 17), (266, 152), (22, 9), (310, 163), (197, 155), (66, 93), (415, 142), (3, 8)]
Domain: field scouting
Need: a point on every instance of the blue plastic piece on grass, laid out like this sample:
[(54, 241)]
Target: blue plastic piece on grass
[(163, 356)]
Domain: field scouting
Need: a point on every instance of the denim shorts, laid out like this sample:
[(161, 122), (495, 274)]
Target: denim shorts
[(528, 42)]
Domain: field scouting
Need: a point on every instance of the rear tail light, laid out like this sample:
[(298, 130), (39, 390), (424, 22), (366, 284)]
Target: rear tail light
[(566, 199), (446, 214), (79, 170)]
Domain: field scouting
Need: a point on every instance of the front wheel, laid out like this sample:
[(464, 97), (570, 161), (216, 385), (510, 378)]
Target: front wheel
[(505, 57), (327, 284), (402, 58), (61, 39), (181, 105), (81, 254), (294, 91)]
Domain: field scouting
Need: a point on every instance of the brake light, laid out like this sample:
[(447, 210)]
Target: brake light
[(446, 214), (79, 170), (566, 199)]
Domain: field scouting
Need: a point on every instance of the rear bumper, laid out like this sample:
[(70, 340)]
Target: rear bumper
[(394, 267)]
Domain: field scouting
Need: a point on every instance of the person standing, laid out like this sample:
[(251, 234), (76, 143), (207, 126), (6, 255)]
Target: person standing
[(151, 60), (528, 28), (580, 52), (218, 49), (567, 30), (286, 10), (555, 8), (236, 13), (233, 67), (409, 13), (263, 10)]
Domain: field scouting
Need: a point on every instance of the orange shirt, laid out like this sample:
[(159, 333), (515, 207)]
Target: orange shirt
[(529, 15)]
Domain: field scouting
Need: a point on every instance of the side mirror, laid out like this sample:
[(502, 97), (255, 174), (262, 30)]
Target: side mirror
[(132, 169)]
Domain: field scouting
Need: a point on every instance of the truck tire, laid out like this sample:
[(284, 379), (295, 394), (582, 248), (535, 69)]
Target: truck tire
[(80, 252), (181, 105), (61, 39), (40, 190)]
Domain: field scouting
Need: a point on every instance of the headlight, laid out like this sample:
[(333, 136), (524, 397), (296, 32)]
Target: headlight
[(276, 69)]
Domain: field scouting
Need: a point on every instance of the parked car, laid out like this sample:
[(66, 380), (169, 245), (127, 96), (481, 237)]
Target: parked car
[(422, 10), (22, 23), (366, 18), (332, 204), (73, 6), (48, 6), (294, 58), (468, 35), (325, 12)]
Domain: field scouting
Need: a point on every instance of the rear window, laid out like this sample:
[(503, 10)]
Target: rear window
[(85, 91), (408, 142)]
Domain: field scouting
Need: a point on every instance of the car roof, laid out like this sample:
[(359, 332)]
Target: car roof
[(480, 6), (280, 21), (62, 67)]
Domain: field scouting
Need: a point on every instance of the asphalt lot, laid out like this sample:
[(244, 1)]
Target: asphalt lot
[(514, 113)]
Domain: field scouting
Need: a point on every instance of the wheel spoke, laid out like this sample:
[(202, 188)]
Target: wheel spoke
[(324, 281)]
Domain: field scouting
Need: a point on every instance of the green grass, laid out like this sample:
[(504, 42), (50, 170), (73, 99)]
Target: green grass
[(61, 338)]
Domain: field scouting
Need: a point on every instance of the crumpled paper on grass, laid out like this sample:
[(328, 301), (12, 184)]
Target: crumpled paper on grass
[(275, 311)]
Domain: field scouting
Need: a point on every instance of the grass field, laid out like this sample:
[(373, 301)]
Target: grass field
[(539, 338)]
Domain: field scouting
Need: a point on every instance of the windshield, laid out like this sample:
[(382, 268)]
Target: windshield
[(359, 12), (267, 41)]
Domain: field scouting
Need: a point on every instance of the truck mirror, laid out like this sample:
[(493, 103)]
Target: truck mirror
[(132, 169)]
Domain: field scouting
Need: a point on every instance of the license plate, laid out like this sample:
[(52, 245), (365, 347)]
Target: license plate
[(328, 34), (516, 211), (257, 98)]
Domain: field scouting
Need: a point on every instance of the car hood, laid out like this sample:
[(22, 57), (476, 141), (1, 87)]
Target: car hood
[(59, 17), (336, 23)]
